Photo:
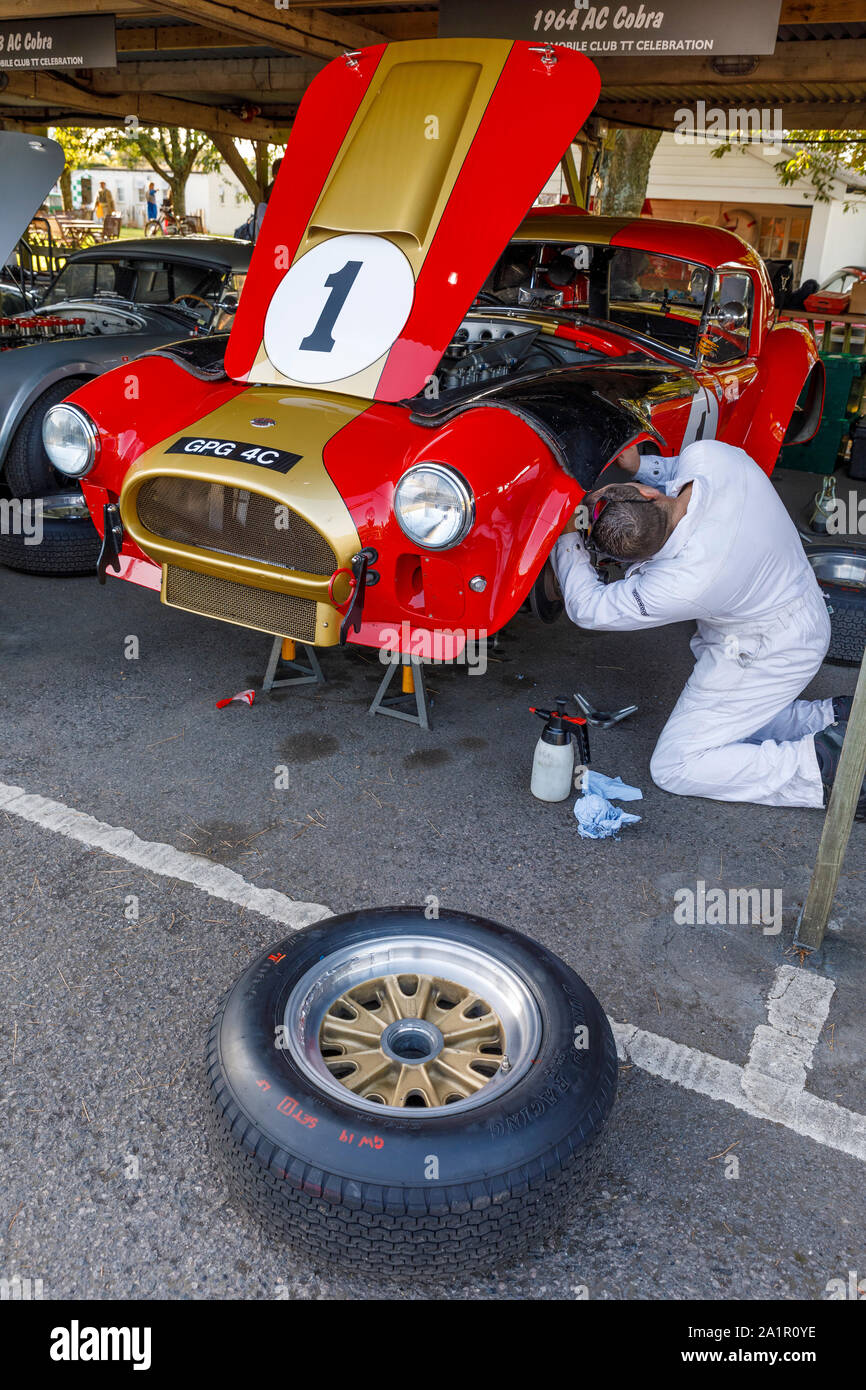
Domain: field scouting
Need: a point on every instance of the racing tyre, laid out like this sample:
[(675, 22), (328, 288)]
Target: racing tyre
[(842, 576), (70, 542), (410, 1094)]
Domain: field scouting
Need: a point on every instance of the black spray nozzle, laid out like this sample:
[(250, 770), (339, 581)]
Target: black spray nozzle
[(559, 727)]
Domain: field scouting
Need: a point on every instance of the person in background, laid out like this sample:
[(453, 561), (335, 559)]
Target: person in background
[(152, 205), (104, 202)]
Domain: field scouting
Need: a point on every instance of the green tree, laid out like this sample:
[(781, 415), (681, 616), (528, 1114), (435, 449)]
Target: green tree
[(81, 146), (822, 156), (173, 153), (818, 156)]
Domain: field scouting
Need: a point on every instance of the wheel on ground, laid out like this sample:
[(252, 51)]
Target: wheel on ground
[(69, 542), (406, 1093), (841, 572)]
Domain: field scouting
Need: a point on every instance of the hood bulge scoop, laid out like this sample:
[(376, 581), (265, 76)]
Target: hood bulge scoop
[(408, 168)]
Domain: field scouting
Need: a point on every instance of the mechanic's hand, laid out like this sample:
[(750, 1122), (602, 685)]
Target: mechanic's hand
[(629, 459)]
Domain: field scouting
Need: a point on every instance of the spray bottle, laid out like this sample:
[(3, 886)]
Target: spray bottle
[(553, 763)]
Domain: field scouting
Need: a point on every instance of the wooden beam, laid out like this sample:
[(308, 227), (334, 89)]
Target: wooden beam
[(821, 12), (40, 9), (238, 165), (47, 91), (294, 31), (837, 825), (158, 38), (252, 78), (420, 24)]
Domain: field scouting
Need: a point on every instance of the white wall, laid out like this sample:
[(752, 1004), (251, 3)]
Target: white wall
[(845, 242), (692, 172)]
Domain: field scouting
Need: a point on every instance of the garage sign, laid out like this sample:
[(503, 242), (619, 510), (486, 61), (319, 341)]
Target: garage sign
[(636, 29), (86, 42)]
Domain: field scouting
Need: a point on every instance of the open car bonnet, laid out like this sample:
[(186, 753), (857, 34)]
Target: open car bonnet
[(408, 168), (30, 165)]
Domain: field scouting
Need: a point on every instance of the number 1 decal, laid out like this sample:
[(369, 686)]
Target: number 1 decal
[(339, 284), (339, 309)]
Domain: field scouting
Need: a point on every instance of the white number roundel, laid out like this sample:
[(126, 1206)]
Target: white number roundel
[(338, 308)]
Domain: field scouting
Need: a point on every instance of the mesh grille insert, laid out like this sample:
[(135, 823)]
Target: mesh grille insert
[(232, 521), (285, 615)]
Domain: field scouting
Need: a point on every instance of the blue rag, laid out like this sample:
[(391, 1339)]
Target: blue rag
[(596, 817), (613, 788)]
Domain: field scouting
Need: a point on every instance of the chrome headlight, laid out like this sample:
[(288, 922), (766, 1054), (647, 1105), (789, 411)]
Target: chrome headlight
[(434, 506), (69, 437)]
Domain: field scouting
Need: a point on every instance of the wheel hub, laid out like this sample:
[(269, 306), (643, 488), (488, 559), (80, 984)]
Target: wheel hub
[(412, 1040)]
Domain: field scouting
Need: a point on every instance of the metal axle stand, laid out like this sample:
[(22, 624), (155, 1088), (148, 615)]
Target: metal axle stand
[(413, 684), (283, 658)]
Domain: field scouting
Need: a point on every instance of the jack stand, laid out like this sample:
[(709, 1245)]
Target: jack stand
[(413, 684), (283, 657)]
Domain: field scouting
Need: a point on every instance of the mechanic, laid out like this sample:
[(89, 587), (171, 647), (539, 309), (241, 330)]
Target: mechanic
[(705, 536)]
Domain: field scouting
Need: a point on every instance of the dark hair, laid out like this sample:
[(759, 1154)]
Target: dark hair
[(630, 527)]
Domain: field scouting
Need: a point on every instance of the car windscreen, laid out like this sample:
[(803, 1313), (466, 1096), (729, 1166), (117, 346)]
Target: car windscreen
[(661, 297), (155, 281)]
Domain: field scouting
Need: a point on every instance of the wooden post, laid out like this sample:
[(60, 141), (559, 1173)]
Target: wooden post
[(837, 825)]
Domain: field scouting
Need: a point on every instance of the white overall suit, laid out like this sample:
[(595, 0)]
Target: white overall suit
[(736, 565)]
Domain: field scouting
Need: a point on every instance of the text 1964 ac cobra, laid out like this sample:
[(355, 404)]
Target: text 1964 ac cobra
[(414, 395)]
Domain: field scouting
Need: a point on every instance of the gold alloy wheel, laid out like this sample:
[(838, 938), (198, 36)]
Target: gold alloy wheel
[(406, 1020), (412, 1040)]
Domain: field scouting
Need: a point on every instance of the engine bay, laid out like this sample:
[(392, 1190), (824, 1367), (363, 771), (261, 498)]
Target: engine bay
[(488, 347)]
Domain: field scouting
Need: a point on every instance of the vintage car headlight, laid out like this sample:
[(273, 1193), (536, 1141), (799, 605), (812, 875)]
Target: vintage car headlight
[(69, 437), (434, 506)]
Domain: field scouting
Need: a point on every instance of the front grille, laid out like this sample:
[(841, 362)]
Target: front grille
[(285, 615), (232, 521)]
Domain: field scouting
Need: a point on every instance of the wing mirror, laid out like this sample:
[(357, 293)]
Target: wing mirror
[(732, 316)]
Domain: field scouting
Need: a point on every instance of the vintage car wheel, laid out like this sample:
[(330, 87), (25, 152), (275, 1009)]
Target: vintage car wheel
[(545, 598), (841, 572), (469, 1123), (70, 542)]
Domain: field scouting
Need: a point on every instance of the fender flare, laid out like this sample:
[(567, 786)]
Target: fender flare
[(787, 360)]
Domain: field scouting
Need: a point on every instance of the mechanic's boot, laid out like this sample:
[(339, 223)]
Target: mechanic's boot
[(828, 749)]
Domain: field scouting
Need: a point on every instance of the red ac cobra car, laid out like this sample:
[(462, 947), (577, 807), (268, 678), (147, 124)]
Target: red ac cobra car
[(419, 386)]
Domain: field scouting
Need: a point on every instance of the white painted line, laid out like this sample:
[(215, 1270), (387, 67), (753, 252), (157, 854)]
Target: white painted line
[(157, 858), (770, 1087), (781, 1051)]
